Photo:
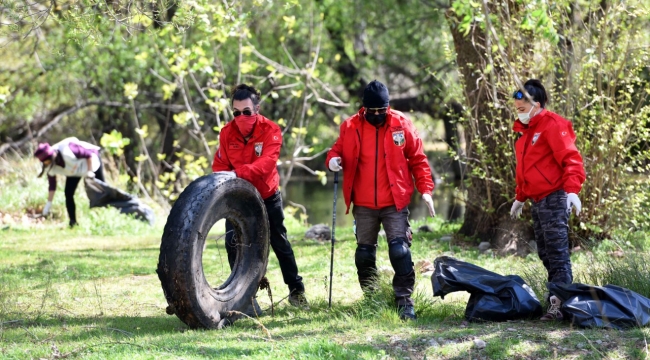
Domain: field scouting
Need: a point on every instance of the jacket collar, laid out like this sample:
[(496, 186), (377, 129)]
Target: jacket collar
[(520, 127)]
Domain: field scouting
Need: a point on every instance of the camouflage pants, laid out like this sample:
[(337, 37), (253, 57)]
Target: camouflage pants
[(550, 221)]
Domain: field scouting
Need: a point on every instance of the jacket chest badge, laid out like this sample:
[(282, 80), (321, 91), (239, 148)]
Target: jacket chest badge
[(398, 138), (535, 137), (258, 148)]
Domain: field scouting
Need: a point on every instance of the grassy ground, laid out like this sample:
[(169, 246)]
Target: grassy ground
[(92, 292)]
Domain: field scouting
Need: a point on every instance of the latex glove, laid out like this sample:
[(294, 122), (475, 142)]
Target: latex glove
[(516, 209), (223, 176), (46, 209), (573, 200), (335, 164), (90, 175), (429, 201)]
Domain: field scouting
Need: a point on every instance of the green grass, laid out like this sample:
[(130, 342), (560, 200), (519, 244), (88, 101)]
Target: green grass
[(98, 297), (92, 293)]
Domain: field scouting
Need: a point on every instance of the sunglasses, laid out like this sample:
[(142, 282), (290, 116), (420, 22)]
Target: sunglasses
[(518, 95), (245, 112), (376, 110)]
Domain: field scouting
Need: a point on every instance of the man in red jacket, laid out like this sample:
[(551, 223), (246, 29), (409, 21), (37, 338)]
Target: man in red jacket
[(380, 152), (249, 148), (550, 173)]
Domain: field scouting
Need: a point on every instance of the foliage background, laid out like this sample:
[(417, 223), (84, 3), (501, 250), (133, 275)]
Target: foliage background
[(149, 80)]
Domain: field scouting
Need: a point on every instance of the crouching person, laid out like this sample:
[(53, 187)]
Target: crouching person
[(249, 148), (380, 152), (73, 159)]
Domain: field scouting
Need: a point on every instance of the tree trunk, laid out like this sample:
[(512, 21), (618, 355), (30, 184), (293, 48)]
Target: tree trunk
[(486, 207)]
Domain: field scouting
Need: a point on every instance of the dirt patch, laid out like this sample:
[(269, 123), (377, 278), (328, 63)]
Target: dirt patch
[(31, 217)]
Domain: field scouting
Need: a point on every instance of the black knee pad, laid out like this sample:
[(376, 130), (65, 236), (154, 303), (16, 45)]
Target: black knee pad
[(400, 256), (365, 257)]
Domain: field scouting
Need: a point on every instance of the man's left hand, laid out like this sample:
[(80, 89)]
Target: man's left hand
[(429, 201)]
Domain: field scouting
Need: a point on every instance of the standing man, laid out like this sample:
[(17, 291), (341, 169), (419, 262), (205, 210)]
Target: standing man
[(73, 159), (380, 152), (550, 172), (249, 148)]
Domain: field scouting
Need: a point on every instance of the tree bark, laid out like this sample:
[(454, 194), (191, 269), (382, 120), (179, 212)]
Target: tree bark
[(485, 205)]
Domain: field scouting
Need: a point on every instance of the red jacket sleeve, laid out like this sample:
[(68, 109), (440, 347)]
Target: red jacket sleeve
[(221, 161), (519, 194), (337, 148), (417, 161), (561, 139), (265, 163)]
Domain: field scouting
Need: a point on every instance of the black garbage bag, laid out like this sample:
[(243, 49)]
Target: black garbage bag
[(101, 194), (493, 297), (608, 306)]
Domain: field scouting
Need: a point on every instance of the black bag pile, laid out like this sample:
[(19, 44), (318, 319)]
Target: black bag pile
[(101, 194), (608, 306), (493, 297)]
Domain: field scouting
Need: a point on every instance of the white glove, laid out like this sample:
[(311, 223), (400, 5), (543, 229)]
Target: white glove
[(429, 201), (516, 209), (573, 200), (90, 175), (223, 176), (335, 164), (46, 209)]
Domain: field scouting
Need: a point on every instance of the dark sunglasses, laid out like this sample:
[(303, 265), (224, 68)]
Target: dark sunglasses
[(376, 110), (245, 112)]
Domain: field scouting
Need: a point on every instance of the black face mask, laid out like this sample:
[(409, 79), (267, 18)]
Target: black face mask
[(375, 119)]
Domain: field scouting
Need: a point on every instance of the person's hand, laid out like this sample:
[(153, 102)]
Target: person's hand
[(429, 201), (90, 175), (335, 164), (46, 209), (573, 200), (223, 176), (516, 209)]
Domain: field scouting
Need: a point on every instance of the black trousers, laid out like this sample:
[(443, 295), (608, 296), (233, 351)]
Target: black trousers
[(71, 184), (279, 243)]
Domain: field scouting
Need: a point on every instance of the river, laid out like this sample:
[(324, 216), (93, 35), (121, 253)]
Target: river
[(317, 200)]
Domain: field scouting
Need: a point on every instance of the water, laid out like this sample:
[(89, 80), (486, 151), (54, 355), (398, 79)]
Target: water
[(318, 200)]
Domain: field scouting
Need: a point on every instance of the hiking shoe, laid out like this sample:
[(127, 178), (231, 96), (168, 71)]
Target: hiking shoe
[(553, 312), (406, 312), (298, 299)]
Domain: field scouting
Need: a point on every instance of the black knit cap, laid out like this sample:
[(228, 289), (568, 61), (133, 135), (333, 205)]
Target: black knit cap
[(375, 95)]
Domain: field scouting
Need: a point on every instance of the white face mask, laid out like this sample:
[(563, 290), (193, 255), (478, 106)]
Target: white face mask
[(525, 117)]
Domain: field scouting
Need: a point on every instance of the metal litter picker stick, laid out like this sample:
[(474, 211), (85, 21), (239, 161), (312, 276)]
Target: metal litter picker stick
[(336, 183)]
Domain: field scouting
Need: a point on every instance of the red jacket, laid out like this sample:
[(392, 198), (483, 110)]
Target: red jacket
[(404, 158), (372, 160), (254, 160), (547, 158)]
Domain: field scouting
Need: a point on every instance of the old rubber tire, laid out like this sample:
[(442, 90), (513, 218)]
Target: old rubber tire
[(180, 267)]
